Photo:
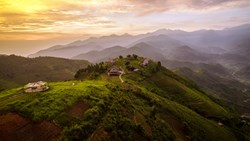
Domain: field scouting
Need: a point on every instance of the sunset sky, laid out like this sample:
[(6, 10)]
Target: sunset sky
[(27, 26)]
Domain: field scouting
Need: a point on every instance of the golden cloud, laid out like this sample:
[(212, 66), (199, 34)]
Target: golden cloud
[(64, 16), (144, 7)]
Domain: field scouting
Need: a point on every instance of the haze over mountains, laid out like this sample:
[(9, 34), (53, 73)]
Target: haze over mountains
[(228, 47), (204, 56), (205, 41)]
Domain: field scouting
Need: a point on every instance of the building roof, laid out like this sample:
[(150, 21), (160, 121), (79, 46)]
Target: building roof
[(114, 69), (36, 84)]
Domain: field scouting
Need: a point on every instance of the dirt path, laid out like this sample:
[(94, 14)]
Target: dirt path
[(120, 76)]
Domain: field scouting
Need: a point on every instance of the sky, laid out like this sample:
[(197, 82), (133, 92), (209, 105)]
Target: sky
[(27, 26)]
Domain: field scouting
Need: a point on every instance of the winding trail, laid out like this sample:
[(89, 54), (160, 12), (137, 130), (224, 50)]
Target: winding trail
[(120, 76)]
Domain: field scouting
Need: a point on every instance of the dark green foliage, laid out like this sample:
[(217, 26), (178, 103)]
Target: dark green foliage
[(16, 71), (135, 56), (127, 63), (159, 64), (91, 72), (130, 67)]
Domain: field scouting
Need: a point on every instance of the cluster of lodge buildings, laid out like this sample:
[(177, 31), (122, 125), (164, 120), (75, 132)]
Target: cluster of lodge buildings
[(39, 86), (115, 71)]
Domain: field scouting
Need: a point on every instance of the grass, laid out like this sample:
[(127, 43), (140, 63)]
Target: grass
[(7, 93)]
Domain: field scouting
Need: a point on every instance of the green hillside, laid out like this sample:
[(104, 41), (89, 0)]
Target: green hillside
[(16, 71), (152, 103), (220, 85)]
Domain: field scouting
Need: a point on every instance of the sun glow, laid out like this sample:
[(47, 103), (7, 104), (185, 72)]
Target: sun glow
[(28, 6), (29, 19)]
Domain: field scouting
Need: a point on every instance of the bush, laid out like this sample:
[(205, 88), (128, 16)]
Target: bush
[(130, 68), (127, 63)]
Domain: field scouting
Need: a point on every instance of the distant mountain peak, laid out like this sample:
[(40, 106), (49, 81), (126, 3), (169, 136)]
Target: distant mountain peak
[(168, 31), (113, 35), (163, 35), (244, 26), (126, 34), (186, 47), (141, 44), (162, 29)]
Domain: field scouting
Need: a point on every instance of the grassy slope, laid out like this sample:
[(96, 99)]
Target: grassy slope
[(219, 86), (137, 109), (16, 71)]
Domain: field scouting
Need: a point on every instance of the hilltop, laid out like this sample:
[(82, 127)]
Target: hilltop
[(16, 70), (151, 103)]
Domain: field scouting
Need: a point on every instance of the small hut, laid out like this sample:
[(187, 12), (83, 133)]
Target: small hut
[(39, 86), (114, 71)]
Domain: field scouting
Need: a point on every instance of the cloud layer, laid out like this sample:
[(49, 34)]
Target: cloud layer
[(98, 16)]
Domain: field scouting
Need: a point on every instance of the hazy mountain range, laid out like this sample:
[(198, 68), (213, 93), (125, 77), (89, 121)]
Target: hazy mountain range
[(199, 55), (228, 47), (207, 41)]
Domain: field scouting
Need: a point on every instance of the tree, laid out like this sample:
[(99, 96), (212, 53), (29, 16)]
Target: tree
[(127, 63), (130, 68), (129, 56), (135, 56), (159, 64), (120, 57)]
